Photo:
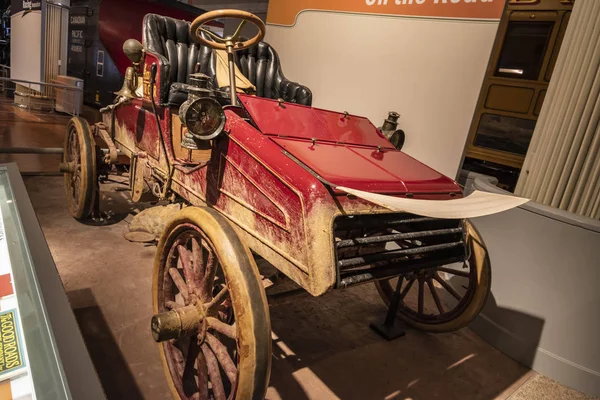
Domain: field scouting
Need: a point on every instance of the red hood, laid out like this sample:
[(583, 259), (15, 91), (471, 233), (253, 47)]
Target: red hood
[(348, 150), (293, 120), (368, 169)]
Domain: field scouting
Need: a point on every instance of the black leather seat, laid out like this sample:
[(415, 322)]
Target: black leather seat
[(171, 39)]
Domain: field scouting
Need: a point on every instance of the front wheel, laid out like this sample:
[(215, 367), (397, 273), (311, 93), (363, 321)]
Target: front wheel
[(444, 305), (79, 167), (211, 315)]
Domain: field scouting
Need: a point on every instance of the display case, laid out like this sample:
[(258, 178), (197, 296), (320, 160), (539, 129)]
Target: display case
[(42, 353)]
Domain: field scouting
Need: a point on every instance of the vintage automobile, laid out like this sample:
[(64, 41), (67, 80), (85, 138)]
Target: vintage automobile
[(261, 177)]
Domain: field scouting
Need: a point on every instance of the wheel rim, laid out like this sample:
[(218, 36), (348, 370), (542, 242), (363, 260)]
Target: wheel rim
[(203, 364), (430, 289), (73, 157)]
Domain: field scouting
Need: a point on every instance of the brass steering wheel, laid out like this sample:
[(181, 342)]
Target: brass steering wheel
[(228, 43)]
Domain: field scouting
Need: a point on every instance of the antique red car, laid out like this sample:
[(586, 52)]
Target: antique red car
[(259, 176)]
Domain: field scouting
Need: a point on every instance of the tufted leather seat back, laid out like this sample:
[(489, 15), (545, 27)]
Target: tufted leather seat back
[(170, 38), (260, 64)]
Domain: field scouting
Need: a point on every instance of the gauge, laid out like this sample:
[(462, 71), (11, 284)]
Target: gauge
[(204, 117)]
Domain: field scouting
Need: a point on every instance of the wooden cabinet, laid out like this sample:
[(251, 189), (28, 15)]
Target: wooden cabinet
[(516, 80)]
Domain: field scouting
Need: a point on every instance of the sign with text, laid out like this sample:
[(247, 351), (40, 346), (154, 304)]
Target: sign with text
[(78, 42), (16, 6), (285, 12), (11, 352)]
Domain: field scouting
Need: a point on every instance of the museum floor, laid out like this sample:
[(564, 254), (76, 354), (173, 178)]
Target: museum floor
[(323, 348)]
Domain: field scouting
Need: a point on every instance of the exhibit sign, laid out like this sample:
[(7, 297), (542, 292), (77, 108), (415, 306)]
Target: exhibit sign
[(16, 6), (11, 353), (285, 12)]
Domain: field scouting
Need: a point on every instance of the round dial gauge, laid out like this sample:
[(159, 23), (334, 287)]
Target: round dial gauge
[(203, 117)]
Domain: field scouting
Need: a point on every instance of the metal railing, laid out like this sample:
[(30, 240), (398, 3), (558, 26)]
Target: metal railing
[(24, 101), (4, 73), (29, 95)]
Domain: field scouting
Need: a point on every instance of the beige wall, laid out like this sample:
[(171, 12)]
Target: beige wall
[(26, 47), (258, 7), (428, 70)]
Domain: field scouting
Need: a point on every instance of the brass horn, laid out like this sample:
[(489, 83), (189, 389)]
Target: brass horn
[(135, 52), (128, 89)]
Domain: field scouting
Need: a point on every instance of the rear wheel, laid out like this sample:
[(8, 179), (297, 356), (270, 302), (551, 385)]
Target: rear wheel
[(79, 166), (445, 298), (206, 281)]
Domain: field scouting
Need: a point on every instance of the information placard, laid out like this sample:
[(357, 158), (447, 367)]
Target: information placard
[(11, 349)]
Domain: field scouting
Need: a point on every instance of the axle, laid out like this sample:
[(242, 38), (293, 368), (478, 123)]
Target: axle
[(177, 323)]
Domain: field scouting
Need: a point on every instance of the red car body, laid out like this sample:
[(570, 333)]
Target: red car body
[(281, 207)]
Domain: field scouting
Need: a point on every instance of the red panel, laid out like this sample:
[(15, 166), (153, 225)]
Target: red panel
[(286, 120), (271, 155), (140, 123), (352, 129), (256, 194), (341, 166), (293, 120), (416, 176)]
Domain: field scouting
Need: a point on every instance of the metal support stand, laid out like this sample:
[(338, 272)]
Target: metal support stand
[(391, 329), (97, 216)]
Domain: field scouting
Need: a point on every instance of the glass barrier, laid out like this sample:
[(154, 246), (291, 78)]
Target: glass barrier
[(41, 367)]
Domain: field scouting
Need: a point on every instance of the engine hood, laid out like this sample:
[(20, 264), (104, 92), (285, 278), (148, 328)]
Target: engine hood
[(369, 169), (297, 121), (346, 150)]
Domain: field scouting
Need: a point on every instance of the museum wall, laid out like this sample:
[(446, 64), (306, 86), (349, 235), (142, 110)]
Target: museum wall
[(544, 289), (430, 70), (26, 44), (258, 8)]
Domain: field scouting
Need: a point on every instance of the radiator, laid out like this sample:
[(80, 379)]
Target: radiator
[(380, 246)]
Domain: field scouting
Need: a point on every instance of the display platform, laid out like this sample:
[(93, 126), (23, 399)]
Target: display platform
[(42, 353)]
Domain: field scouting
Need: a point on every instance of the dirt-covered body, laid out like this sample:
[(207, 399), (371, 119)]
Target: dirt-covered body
[(283, 211)]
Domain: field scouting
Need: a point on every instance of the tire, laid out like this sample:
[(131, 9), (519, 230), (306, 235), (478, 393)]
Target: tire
[(480, 279), (205, 236), (81, 183)]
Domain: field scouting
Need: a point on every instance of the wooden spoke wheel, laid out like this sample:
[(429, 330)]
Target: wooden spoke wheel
[(211, 315), (79, 167), (445, 298)]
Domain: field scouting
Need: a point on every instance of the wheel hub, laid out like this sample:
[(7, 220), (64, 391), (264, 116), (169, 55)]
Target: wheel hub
[(69, 167), (423, 275), (183, 321)]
